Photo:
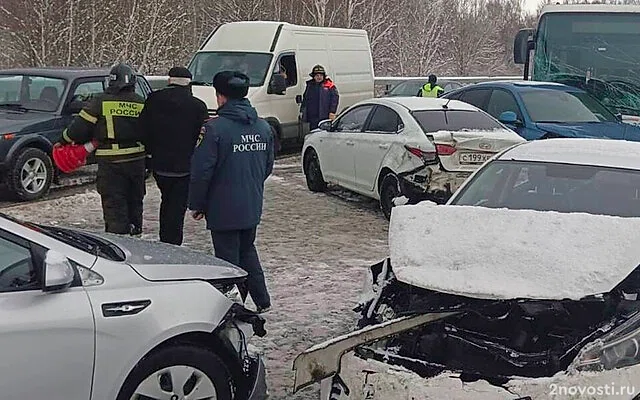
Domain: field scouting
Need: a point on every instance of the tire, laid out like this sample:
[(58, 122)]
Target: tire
[(389, 189), (277, 145), (31, 174), (313, 173), (194, 361)]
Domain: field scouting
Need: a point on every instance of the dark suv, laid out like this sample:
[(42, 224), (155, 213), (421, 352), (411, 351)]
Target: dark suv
[(36, 105)]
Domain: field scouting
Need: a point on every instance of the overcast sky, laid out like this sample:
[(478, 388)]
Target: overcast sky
[(530, 6)]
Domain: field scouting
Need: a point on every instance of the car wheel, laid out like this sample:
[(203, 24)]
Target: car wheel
[(277, 145), (180, 372), (313, 173), (31, 174), (389, 190)]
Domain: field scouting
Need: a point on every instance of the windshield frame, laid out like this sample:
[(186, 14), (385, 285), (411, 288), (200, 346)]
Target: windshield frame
[(263, 79), (20, 105), (607, 114)]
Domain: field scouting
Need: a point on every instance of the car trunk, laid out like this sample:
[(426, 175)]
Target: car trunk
[(464, 151), (490, 339)]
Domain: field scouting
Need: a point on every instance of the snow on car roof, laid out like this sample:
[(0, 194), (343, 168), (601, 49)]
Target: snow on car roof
[(425, 103), (579, 151), (508, 254)]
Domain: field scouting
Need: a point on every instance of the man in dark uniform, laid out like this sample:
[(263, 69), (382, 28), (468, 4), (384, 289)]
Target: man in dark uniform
[(232, 160), (171, 122), (110, 120), (320, 99)]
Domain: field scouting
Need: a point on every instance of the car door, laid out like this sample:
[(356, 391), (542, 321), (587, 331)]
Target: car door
[(337, 158), (47, 339), (501, 101), (372, 145)]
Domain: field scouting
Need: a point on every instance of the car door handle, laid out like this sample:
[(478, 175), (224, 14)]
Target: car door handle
[(383, 146), (350, 143)]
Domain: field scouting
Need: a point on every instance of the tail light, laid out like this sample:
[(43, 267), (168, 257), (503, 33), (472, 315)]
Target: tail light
[(445, 149), (427, 156)]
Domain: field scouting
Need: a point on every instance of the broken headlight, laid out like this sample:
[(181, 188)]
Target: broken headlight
[(618, 349)]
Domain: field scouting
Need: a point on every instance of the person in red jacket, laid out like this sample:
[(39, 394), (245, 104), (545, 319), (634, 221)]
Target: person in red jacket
[(320, 99)]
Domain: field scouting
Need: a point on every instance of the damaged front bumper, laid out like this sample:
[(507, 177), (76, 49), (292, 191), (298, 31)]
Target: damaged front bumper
[(238, 327), (323, 361), (353, 375)]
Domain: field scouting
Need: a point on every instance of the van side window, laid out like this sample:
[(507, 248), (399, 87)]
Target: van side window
[(287, 66)]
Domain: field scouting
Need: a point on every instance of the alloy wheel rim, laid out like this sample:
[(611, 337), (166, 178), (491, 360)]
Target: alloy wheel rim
[(178, 382), (33, 175)]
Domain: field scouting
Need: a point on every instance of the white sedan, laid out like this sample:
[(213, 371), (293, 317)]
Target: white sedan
[(403, 146), (87, 316)]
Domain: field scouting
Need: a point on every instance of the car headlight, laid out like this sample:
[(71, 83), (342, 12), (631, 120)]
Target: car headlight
[(618, 349)]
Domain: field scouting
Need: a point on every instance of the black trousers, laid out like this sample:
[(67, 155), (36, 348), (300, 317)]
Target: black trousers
[(122, 189), (237, 247), (173, 206)]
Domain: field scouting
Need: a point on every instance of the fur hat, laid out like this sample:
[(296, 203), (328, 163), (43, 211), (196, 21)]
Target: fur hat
[(232, 84)]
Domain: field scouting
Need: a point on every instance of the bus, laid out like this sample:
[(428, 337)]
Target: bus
[(595, 47)]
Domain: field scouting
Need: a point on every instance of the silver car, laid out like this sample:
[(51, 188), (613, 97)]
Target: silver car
[(96, 316)]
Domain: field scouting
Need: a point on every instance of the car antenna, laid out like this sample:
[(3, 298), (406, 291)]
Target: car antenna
[(446, 105)]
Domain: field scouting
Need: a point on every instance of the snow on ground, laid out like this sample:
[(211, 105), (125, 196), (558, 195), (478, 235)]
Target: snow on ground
[(315, 249), (509, 254)]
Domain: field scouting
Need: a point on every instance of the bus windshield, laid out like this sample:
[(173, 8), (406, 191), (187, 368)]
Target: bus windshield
[(205, 65), (597, 52)]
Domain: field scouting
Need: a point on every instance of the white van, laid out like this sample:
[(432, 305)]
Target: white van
[(262, 49)]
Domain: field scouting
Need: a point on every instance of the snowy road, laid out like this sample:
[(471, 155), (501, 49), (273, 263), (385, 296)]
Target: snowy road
[(315, 249)]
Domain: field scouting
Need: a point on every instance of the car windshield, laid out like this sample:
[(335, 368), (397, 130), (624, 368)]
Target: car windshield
[(205, 65), (554, 187), (30, 92), (547, 105), (454, 120)]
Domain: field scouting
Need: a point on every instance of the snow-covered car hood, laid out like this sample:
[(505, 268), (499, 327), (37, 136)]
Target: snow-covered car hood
[(157, 261), (509, 254)]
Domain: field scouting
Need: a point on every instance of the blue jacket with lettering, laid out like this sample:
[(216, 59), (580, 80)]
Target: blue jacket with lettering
[(233, 158)]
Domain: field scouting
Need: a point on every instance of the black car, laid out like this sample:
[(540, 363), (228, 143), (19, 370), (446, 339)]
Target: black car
[(36, 105)]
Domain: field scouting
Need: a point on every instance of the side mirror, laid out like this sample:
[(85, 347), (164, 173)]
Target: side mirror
[(521, 45), (58, 272), (619, 117), (277, 85), (509, 118), (299, 99), (325, 125)]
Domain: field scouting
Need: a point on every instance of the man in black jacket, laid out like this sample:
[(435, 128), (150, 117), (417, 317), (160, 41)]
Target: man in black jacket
[(171, 121)]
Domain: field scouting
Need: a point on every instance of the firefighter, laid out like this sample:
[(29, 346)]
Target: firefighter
[(109, 121), (230, 164), (431, 88), (320, 99)]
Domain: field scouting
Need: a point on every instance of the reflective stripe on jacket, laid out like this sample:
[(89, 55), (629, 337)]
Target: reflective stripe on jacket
[(429, 91)]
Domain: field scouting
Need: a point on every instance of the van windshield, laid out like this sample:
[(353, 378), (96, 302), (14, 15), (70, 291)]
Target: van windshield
[(205, 65)]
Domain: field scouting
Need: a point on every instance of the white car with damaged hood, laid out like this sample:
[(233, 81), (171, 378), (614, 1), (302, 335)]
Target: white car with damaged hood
[(419, 148), (99, 316), (524, 286)]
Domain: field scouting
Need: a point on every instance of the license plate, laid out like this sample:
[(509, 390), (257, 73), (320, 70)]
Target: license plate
[(474, 158)]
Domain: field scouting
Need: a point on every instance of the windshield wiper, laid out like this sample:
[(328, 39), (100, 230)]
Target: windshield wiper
[(14, 106), (88, 243), (200, 83)]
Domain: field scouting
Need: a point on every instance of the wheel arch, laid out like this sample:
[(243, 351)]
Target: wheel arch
[(383, 172), (305, 157), (36, 142), (200, 338)]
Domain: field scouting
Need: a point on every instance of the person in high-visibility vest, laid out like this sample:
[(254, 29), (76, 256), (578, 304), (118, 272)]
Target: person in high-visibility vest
[(431, 88), (109, 121)]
